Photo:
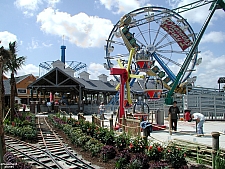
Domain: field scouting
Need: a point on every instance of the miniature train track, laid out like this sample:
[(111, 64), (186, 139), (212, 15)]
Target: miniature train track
[(49, 152)]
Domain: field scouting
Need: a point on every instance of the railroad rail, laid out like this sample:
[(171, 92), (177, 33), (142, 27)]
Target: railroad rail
[(50, 152)]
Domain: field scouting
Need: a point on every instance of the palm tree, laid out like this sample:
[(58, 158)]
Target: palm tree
[(13, 64), (4, 55)]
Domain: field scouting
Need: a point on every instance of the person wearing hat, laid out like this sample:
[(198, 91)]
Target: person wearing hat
[(200, 119), (174, 112), (102, 110)]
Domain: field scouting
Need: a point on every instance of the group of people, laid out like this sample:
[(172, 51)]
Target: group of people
[(174, 113)]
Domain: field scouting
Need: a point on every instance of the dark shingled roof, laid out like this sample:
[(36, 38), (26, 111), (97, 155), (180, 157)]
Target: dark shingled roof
[(97, 85), (7, 83)]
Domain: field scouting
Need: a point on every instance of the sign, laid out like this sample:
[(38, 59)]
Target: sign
[(176, 33)]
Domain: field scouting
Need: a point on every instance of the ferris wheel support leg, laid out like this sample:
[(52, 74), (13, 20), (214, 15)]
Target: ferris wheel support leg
[(169, 99)]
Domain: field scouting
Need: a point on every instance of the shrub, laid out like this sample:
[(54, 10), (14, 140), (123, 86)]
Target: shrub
[(28, 132), (75, 134), (123, 159), (104, 135), (108, 152), (109, 138), (155, 152), (139, 161), (66, 129), (71, 121), (138, 145), (58, 122), (93, 146), (91, 129), (82, 140), (175, 156), (122, 141)]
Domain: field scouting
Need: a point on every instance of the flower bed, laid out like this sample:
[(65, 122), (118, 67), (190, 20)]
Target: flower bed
[(23, 126), (128, 152)]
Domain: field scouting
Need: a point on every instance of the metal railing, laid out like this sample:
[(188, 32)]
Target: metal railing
[(210, 102)]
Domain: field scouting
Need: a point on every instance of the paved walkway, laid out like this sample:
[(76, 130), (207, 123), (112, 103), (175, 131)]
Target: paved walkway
[(186, 131)]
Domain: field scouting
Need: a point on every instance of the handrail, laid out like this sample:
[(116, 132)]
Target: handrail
[(6, 114)]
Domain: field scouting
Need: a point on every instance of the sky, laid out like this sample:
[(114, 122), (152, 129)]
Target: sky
[(39, 26)]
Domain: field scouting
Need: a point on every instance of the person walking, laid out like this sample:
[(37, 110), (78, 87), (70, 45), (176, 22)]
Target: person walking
[(200, 119), (174, 113), (101, 111)]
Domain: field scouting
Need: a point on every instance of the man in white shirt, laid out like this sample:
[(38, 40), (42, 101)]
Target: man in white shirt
[(200, 118)]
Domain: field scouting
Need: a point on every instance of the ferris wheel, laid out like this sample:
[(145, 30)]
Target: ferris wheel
[(162, 39)]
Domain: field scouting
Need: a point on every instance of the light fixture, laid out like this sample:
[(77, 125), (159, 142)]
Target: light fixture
[(110, 48), (199, 61), (117, 34), (150, 17)]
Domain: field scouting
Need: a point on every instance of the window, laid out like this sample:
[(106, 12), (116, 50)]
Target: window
[(22, 91)]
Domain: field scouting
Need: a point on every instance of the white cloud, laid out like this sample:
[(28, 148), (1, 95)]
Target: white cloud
[(46, 45), (37, 44), (34, 44), (121, 6), (216, 37), (29, 6), (173, 3), (52, 3), (209, 71), (96, 69), (6, 37), (27, 69), (197, 15), (81, 29)]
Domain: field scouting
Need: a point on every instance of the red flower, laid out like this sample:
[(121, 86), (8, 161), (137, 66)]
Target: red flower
[(159, 149), (131, 145), (185, 155), (150, 147)]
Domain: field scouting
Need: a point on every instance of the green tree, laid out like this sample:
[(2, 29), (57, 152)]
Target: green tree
[(4, 55), (13, 64)]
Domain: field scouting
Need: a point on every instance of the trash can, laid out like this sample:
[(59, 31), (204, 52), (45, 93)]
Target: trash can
[(187, 115), (159, 117)]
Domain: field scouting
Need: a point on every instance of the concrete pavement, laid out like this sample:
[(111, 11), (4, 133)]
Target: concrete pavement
[(185, 131)]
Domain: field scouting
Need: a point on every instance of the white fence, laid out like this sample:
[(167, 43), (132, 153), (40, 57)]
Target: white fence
[(209, 102)]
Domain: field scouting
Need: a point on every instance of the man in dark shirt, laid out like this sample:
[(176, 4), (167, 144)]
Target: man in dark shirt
[(175, 114)]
